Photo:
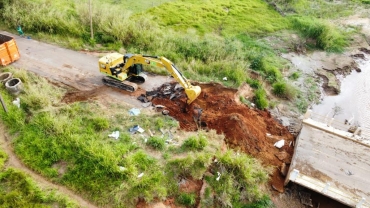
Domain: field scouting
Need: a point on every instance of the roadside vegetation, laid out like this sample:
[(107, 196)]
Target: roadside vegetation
[(208, 42), (240, 40), (69, 144), (18, 190)]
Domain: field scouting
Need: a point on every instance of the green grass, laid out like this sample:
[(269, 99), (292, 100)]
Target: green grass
[(221, 17), (327, 36), (156, 143), (48, 133), (187, 199), (195, 143), (18, 190), (3, 158), (260, 99)]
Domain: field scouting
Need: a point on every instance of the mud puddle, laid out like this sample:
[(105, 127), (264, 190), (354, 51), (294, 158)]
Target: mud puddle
[(353, 100)]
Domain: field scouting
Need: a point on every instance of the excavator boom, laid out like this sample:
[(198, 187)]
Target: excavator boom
[(191, 91)]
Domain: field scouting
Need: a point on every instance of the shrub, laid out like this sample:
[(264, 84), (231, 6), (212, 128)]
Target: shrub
[(284, 90), (99, 123), (294, 75), (187, 199), (254, 83), (279, 88), (195, 143), (260, 99), (156, 142)]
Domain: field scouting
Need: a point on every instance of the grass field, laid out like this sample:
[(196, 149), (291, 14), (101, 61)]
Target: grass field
[(51, 136), (207, 41)]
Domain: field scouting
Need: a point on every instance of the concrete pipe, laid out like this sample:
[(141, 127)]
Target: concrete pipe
[(14, 86), (4, 77)]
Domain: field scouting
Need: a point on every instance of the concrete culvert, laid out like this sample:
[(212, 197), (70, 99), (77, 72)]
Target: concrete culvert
[(4, 77), (14, 86)]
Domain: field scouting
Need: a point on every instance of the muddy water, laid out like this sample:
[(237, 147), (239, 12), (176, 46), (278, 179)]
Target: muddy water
[(353, 100)]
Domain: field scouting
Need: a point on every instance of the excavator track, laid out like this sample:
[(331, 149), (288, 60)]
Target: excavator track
[(123, 85)]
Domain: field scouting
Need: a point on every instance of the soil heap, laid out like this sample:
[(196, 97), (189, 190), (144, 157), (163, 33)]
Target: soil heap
[(247, 129)]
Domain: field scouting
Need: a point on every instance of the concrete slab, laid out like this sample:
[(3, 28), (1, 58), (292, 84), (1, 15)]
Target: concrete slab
[(332, 162)]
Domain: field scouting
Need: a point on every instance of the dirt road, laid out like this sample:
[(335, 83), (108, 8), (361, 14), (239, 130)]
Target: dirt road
[(75, 69), (14, 162)]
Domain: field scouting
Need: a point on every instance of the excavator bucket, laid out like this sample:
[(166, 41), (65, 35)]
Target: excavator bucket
[(193, 93)]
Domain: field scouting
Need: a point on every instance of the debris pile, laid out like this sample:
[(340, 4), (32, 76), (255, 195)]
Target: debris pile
[(252, 131)]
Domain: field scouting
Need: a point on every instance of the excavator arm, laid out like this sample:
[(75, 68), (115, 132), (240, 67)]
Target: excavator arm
[(191, 91)]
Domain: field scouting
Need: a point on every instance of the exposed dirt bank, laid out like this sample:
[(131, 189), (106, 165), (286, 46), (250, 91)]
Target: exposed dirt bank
[(249, 130)]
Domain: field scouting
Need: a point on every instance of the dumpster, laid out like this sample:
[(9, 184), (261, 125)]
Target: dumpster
[(8, 50)]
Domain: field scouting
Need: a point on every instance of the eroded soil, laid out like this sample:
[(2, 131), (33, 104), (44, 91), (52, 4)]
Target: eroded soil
[(246, 129)]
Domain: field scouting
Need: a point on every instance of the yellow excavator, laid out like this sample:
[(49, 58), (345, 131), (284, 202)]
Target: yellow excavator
[(124, 70)]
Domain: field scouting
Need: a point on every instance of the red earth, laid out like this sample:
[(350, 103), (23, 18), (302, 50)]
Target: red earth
[(247, 129)]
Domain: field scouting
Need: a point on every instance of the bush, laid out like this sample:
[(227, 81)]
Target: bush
[(187, 199), (260, 99), (294, 75), (99, 123), (284, 90), (195, 143), (254, 83), (279, 89), (156, 143)]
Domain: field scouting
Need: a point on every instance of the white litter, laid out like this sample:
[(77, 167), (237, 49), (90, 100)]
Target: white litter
[(121, 168), (225, 78), (219, 176), (17, 102), (140, 130), (140, 175), (114, 135), (268, 134), (134, 112), (279, 144)]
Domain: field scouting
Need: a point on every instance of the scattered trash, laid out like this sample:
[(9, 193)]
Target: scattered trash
[(178, 87), (150, 133), (145, 105), (134, 111), (279, 144), (165, 112), (121, 168), (114, 135), (17, 102), (215, 160), (252, 104), (159, 106), (268, 134), (143, 98), (225, 78), (219, 176), (348, 172), (135, 129), (140, 175)]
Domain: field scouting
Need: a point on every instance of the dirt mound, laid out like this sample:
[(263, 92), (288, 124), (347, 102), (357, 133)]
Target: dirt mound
[(249, 130)]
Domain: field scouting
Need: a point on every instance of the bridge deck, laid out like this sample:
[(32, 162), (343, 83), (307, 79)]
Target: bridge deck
[(332, 162)]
